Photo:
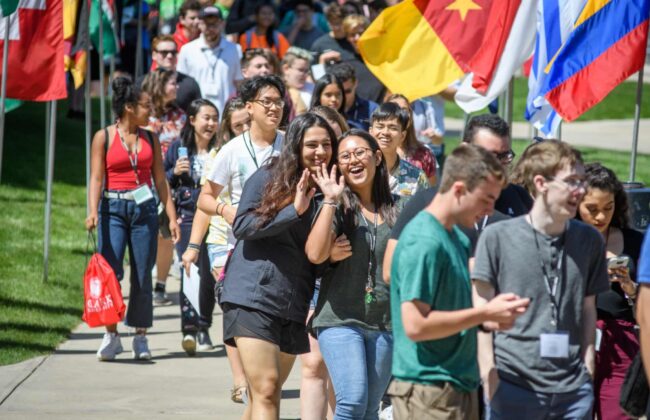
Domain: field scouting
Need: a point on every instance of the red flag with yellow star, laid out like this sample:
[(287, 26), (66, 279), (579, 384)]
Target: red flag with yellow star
[(419, 47)]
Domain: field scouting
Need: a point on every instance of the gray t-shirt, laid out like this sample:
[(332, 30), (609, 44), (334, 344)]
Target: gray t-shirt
[(508, 258)]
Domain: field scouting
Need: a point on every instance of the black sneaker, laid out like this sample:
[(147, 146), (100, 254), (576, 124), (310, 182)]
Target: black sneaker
[(204, 342)]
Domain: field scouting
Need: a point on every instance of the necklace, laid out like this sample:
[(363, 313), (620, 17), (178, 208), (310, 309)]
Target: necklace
[(370, 281)]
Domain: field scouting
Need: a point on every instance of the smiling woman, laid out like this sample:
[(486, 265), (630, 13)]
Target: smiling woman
[(352, 314), (269, 280)]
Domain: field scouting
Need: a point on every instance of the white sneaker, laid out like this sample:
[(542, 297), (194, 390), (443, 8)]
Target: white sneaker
[(141, 348), (111, 346), (189, 344), (387, 413)]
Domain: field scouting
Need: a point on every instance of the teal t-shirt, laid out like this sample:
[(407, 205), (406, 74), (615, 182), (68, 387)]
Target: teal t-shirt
[(431, 265)]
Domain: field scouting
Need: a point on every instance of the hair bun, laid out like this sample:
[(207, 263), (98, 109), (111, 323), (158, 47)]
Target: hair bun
[(121, 85)]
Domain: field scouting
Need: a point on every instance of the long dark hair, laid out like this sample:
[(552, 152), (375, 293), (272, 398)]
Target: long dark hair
[(382, 198), (602, 178), (286, 169), (411, 143), (269, 31), (319, 87), (187, 133)]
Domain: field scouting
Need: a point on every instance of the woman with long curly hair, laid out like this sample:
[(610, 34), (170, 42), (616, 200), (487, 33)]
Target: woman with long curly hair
[(269, 280), (352, 317), (605, 207), (167, 121)]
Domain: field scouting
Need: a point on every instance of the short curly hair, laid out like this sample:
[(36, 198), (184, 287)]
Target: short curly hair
[(602, 178), (495, 124)]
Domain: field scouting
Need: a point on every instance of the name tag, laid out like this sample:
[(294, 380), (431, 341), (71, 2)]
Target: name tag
[(555, 346), (141, 194), (599, 338), (211, 89)]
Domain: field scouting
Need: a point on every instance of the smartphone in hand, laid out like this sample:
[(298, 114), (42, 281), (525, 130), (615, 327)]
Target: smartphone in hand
[(618, 262)]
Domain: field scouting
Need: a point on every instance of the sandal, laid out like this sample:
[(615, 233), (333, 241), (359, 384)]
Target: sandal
[(239, 394)]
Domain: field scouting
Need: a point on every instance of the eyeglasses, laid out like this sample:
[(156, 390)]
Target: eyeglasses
[(165, 53), (360, 153), (573, 184), (267, 103), (505, 157)]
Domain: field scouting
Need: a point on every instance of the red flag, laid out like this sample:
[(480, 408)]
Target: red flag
[(35, 70)]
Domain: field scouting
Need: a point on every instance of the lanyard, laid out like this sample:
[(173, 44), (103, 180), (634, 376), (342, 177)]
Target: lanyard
[(132, 160), (551, 281), (370, 282), (207, 53), (480, 229), (251, 148)]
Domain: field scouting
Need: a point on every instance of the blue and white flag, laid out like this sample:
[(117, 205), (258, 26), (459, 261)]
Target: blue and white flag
[(555, 21)]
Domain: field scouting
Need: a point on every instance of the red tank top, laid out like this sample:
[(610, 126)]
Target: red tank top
[(119, 172)]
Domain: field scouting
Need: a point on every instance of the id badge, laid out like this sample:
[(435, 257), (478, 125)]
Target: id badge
[(599, 338), (555, 345), (211, 89), (142, 194)]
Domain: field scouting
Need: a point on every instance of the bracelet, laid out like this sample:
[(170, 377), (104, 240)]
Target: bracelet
[(194, 246), (330, 203), (220, 204)]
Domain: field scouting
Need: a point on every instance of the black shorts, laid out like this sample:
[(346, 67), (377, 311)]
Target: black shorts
[(242, 321)]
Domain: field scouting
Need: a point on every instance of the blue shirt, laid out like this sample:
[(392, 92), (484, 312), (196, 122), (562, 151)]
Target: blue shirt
[(358, 115), (643, 274)]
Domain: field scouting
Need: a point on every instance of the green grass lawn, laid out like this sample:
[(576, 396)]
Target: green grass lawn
[(619, 104), (35, 316)]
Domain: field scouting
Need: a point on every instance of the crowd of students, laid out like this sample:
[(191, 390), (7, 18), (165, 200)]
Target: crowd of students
[(322, 224)]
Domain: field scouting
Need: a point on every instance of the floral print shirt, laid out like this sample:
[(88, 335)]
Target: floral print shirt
[(168, 127), (406, 179), (423, 159)]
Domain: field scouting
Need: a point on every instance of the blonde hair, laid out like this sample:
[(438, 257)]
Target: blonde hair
[(296, 53), (545, 158), (351, 22)]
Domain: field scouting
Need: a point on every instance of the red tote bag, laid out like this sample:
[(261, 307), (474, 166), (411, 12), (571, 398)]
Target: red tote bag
[(103, 302)]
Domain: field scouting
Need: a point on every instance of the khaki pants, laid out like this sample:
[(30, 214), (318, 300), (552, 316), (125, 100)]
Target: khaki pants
[(431, 402)]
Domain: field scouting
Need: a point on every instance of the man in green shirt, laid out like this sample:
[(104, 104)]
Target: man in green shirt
[(434, 353)]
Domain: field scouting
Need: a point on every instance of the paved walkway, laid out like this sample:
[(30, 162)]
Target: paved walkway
[(71, 384), (604, 134)]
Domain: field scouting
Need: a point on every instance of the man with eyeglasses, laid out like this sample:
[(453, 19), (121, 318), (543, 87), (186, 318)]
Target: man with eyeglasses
[(212, 60), (164, 54), (492, 133), (544, 365)]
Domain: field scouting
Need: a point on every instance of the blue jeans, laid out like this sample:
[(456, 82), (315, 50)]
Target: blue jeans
[(359, 362), (122, 223), (511, 401), (191, 322)]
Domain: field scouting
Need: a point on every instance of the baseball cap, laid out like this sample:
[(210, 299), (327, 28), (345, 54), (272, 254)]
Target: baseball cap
[(210, 11)]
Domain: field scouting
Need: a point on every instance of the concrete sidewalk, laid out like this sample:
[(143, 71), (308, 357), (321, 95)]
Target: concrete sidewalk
[(72, 384), (603, 134)]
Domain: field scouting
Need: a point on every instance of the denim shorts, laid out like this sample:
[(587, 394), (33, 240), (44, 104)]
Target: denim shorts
[(218, 255)]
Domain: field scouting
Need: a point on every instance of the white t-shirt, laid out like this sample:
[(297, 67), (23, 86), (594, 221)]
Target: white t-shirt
[(236, 162), (214, 69)]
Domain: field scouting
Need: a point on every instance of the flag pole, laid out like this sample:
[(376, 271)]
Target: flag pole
[(48, 186), (89, 121), (508, 104), (637, 118), (3, 88), (102, 89), (138, 47)]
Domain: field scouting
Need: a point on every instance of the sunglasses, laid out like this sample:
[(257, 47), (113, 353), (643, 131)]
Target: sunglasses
[(165, 53)]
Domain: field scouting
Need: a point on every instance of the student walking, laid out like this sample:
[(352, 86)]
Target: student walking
[(124, 161)]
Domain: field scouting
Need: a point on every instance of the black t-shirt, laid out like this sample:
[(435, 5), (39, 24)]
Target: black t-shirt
[(421, 199), (612, 303), (514, 201)]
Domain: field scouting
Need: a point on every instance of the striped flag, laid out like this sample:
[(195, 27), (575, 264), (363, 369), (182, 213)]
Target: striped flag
[(606, 46), (7, 7), (555, 20), (506, 57)]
